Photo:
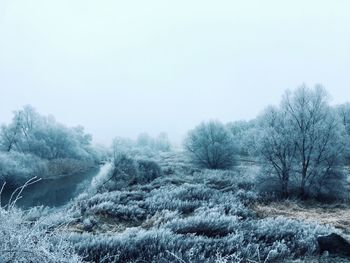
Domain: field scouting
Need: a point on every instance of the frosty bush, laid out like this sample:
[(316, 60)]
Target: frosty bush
[(147, 171), (298, 236), (124, 206), (25, 241), (210, 145), (211, 225), (123, 174), (127, 213), (126, 172), (101, 178)]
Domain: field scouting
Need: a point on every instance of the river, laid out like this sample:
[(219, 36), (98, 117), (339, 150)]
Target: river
[(54, 192)]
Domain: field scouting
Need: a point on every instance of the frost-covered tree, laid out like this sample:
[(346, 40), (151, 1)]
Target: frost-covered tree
[(211, 145), (30, 132), (245, 136), (277, 146), (343, 112), (305, 134), (121, 145), (159, 143), (318, 134), (162, 142), (10, 134), (37, 145)]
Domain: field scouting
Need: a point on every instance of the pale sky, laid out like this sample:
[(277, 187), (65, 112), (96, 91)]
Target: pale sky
[(120, 68)]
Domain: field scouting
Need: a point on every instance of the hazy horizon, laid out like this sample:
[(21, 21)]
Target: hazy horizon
[(120, 69)]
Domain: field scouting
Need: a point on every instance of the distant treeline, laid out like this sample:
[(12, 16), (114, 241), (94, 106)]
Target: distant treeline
[(302, 146), (35, 145)]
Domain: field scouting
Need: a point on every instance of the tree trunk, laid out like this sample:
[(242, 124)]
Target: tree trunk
[(303, 193), (285, 181)]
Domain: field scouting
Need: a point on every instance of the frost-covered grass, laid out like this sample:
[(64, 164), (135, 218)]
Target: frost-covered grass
[(193, 216), (24, 240), (202, 237), (183, 215), (337, 215)]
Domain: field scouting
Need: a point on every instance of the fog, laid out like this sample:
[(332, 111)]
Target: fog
[(120, 68)]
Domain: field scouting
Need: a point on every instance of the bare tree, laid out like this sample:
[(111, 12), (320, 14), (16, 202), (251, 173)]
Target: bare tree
[(343, 112), (316, 131), (210, 145), (276, 146), (303, 140), (245, 135)]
